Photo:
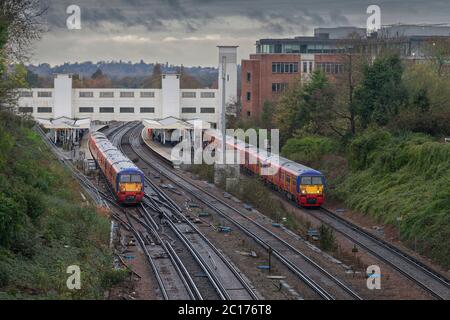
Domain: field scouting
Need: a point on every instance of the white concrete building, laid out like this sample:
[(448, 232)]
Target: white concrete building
[(130, 104)]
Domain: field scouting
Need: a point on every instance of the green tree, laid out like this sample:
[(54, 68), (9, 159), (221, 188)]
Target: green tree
[(382, 93), (267, 115), (306, 108)]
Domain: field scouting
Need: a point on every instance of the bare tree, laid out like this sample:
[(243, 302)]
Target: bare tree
[(20, 26), (437, 49)]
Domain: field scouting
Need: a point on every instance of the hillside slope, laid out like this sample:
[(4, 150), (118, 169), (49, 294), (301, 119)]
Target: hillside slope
[(44, 228)]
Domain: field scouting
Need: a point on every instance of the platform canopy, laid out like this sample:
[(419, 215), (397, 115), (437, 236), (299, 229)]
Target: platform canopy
[(167, 124), (65, 123), (171, 123)]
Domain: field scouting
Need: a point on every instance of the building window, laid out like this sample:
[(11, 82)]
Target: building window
[(86, 94), (148, 110), (106, 110), (188, 110), (305, 67), (26, 94), (44, 94), (249, 96), (310, 67), (127, 94), (330, 67), (207, 110), (147, 94), (106, 94), (284, 67), (279, 87), (207, 95), (188, 94), (248, 113), (44, 110), (127, 110), (86, 110), (26, 109), (249, 77)]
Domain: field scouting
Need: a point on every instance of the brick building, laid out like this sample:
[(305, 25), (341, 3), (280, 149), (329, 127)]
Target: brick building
[(278, 63)]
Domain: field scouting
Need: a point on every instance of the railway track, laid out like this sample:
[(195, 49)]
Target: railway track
[(224, 277), (324, 284), (431, 281), (175, 284)]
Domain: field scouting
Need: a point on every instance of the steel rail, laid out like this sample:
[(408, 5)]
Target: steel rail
[(305, 278)]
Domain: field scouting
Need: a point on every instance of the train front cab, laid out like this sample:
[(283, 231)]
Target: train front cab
[(130, 187), (310, 190)]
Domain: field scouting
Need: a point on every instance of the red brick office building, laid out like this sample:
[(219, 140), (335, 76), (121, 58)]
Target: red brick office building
[(278, 63)]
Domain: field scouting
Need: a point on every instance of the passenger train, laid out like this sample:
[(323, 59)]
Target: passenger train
[(125, 178), (299, 183)]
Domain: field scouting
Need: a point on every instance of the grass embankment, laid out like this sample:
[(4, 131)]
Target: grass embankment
[(43, 226), (389, 176)]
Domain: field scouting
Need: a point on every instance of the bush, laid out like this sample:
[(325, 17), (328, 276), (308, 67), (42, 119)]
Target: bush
[(308, 150), (43, 229), (403, 176)]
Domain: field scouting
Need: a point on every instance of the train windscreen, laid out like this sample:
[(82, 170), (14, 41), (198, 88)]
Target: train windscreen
[(311, 180)]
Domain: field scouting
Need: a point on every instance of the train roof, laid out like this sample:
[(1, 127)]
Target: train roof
[(267, 157), (118, 160)]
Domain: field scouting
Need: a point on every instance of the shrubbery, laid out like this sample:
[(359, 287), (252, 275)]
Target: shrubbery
[(43, 229)]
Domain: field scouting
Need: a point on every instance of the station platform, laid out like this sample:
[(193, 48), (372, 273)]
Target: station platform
[(165, 151)]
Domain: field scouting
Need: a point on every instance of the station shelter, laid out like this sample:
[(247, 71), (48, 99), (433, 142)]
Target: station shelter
[(65, 132)]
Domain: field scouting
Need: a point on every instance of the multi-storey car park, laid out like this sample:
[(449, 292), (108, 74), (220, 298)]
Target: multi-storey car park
[(117, 104)]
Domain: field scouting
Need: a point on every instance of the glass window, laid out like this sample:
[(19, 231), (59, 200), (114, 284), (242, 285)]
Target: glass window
[(44, 110), (188, 94), (147, 94), (135, 178), (26, 109), (147, 110), (207, 95), (188, 110), (249, 76), (127, 110), (86, 110), (124, 178), (107, 94), (249, 96), (25, 94), (86, 94), (207, 110), (311, 180), (106, 110), (44, 94), (127, 94)]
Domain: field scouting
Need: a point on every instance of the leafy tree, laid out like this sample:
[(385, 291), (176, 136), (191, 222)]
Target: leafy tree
[(153, 81), (267, 115), (306, 108), (97, 74), (381, 94), (438, 51)]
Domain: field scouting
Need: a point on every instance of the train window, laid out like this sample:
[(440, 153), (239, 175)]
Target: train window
[(311, 180), (135, 178), (125, 178)]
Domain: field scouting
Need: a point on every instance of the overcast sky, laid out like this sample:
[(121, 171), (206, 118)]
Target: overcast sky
[(187, 31)]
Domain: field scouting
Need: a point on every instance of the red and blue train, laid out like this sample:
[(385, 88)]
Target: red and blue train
[(298, 182), (125, 178)]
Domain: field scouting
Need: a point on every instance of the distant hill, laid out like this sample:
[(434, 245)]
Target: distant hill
[(120, 72)]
